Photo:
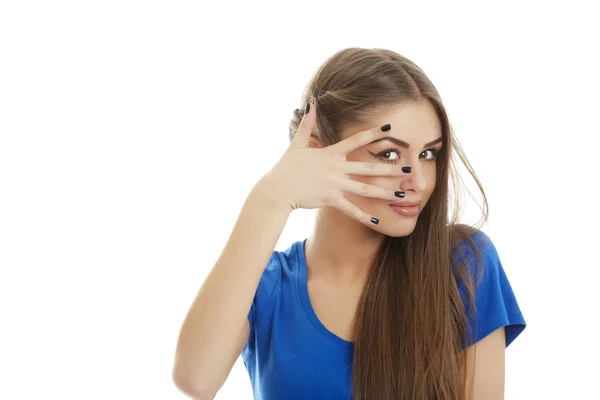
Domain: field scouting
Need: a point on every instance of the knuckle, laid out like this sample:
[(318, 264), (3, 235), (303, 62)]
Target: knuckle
[(335, 148), (336, 167), (337, 182), (344, 207), (340, 205), (329, 199), (364, 189)]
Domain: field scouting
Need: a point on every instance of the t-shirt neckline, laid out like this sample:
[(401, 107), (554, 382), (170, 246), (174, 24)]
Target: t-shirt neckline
[(306, 305)]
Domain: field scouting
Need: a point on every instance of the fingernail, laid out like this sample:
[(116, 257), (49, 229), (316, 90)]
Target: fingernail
[(307, 109), (374, 220), (406, 170), (386, 128), (399, 194)]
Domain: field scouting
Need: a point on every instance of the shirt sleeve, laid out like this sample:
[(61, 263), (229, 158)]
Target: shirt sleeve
[(495, 300), (269, 281)]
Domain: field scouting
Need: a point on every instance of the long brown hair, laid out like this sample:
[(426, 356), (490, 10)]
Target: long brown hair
[(411, 327)]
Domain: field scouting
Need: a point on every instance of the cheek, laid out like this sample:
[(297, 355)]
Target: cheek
[(380, 181), (355, 156)]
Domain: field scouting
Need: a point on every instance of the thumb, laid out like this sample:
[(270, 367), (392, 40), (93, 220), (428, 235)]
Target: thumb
[(306, 126)]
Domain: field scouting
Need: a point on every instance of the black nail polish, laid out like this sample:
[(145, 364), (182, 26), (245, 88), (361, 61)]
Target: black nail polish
[(399, 194), (307, 108), (374, 220), (406, 170), (386, 128)]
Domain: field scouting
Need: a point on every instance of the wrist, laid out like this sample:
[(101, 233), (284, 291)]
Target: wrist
[(267, 192)]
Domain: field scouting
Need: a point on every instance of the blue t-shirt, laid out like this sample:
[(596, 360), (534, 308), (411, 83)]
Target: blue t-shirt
[(290, 354)]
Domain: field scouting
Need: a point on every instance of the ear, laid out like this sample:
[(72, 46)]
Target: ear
[(315, 143)]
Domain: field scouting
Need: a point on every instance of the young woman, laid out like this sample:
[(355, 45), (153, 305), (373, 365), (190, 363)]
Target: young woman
[(388, 298)]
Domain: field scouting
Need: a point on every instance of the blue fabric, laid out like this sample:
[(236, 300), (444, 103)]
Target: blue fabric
[(290, 354)]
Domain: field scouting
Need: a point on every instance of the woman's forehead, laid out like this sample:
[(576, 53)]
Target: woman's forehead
[(413, 123)]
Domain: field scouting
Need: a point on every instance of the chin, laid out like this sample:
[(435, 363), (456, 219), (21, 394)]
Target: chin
[(396, 228)]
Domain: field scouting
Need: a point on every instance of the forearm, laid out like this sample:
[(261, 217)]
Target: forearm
[(210, 337)]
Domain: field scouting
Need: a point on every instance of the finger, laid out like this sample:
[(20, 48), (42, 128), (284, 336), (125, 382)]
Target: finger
[(353, 211), (306, 126), (373, 169), (367, 190), (361, 138)]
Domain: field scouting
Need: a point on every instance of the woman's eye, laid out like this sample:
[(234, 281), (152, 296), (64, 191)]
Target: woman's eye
[(392, 155), (431, 151), (389, 155), (434, 153)]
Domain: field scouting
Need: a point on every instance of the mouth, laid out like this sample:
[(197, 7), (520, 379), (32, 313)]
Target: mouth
[(406, 208)]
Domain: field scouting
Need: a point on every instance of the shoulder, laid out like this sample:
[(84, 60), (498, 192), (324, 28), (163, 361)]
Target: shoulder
[(281, 264), (286, 261), (486, 280), (468, 243), (272, 281), (474, 255)]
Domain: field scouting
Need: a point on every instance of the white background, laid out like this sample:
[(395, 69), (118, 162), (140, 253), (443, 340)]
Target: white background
[(132, 131)]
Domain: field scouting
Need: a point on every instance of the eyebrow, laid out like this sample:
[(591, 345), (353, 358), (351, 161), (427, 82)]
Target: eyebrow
[(402, 143)]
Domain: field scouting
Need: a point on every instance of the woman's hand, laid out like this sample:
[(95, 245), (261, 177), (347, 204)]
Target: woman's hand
[(307, 177)]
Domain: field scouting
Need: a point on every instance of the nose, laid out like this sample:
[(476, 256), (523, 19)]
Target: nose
[(415, 180)]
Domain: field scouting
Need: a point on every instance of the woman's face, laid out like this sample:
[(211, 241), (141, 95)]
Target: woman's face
[(417, 126)]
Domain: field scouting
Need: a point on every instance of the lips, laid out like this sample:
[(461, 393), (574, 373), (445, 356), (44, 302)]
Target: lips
[(405, 203), (406, 208), (406, 211)]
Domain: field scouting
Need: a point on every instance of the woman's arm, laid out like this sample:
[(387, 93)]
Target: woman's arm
[(216, 327), (487, 364)]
